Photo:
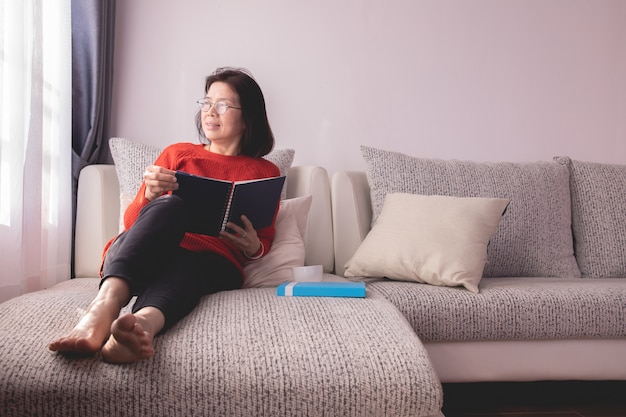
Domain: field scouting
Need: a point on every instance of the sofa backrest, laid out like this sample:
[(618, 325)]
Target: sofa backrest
[(98, 211), (598, 217), (598, 192)]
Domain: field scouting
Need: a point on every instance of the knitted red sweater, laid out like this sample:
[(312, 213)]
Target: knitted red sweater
[(193, 158)]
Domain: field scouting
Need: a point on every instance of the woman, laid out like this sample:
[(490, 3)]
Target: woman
[(170, 270)]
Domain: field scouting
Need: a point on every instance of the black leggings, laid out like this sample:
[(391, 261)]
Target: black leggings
[(161, 273)]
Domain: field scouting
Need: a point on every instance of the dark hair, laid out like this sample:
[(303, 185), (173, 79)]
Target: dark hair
[(257, 139)]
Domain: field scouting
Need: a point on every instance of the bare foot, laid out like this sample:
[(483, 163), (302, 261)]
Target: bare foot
[(129, 342), (91, 331), (95, 326)]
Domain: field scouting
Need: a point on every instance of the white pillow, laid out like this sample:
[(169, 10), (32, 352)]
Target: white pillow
[(287, 249), (437, 240)]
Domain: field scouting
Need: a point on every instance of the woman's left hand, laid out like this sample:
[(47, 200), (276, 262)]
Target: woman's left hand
[(244, 238)]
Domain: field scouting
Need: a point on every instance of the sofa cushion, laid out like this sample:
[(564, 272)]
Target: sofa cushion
[(512, 309), (131, 159), (287, 249), (238, 353), (533, 239), (438, 240), (598, 217)]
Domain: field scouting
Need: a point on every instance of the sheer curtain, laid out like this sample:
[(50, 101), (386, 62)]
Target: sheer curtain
[(35, 144)]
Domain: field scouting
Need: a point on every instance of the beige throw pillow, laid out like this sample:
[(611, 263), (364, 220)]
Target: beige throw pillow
[(287, 249), (438, 240)]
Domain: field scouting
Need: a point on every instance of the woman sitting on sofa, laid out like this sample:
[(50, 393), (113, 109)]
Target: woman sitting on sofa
[(168, 269)]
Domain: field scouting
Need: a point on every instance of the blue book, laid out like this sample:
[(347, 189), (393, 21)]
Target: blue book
[(321, 289)]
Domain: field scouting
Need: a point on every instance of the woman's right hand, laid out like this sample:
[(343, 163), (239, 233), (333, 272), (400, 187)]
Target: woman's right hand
[(158, 181)]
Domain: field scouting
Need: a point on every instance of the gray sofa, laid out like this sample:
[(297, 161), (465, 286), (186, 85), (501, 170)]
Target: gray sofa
[(550, 306), (239, 353)]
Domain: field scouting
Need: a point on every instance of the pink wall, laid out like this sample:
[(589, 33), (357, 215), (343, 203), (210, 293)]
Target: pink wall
[(517, 80)]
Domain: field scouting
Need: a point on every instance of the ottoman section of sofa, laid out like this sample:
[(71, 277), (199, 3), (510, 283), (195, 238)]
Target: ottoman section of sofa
[(239, 353)]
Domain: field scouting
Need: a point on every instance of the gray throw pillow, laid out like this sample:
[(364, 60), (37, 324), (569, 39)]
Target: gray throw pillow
[(598, 217), (131, 159), (534, 239)]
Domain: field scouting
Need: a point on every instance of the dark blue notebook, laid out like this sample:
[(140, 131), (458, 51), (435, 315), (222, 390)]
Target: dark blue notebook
[(211, 203)]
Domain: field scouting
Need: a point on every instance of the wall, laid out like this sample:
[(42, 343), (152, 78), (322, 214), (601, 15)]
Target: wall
[(518, 80)]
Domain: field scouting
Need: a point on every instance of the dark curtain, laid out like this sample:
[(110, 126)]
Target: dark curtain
[(93, 36)]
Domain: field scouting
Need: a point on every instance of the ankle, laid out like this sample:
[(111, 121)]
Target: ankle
[(151, 319), (114, 291)]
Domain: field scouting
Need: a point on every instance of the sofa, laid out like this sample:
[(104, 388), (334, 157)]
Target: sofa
[(539, 295), (246, 352)]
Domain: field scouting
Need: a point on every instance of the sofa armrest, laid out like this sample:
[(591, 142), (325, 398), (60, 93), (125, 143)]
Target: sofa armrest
[(97, 217), (352, 214), (313, 180)]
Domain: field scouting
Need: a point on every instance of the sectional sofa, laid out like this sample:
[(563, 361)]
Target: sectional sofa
[(548, 303)]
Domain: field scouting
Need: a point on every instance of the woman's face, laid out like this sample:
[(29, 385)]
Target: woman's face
[(224, 130)]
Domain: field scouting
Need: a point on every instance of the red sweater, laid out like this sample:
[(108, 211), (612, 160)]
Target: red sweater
[(193, 158)]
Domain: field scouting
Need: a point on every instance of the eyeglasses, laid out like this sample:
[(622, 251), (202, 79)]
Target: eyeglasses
[(220, 107)]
